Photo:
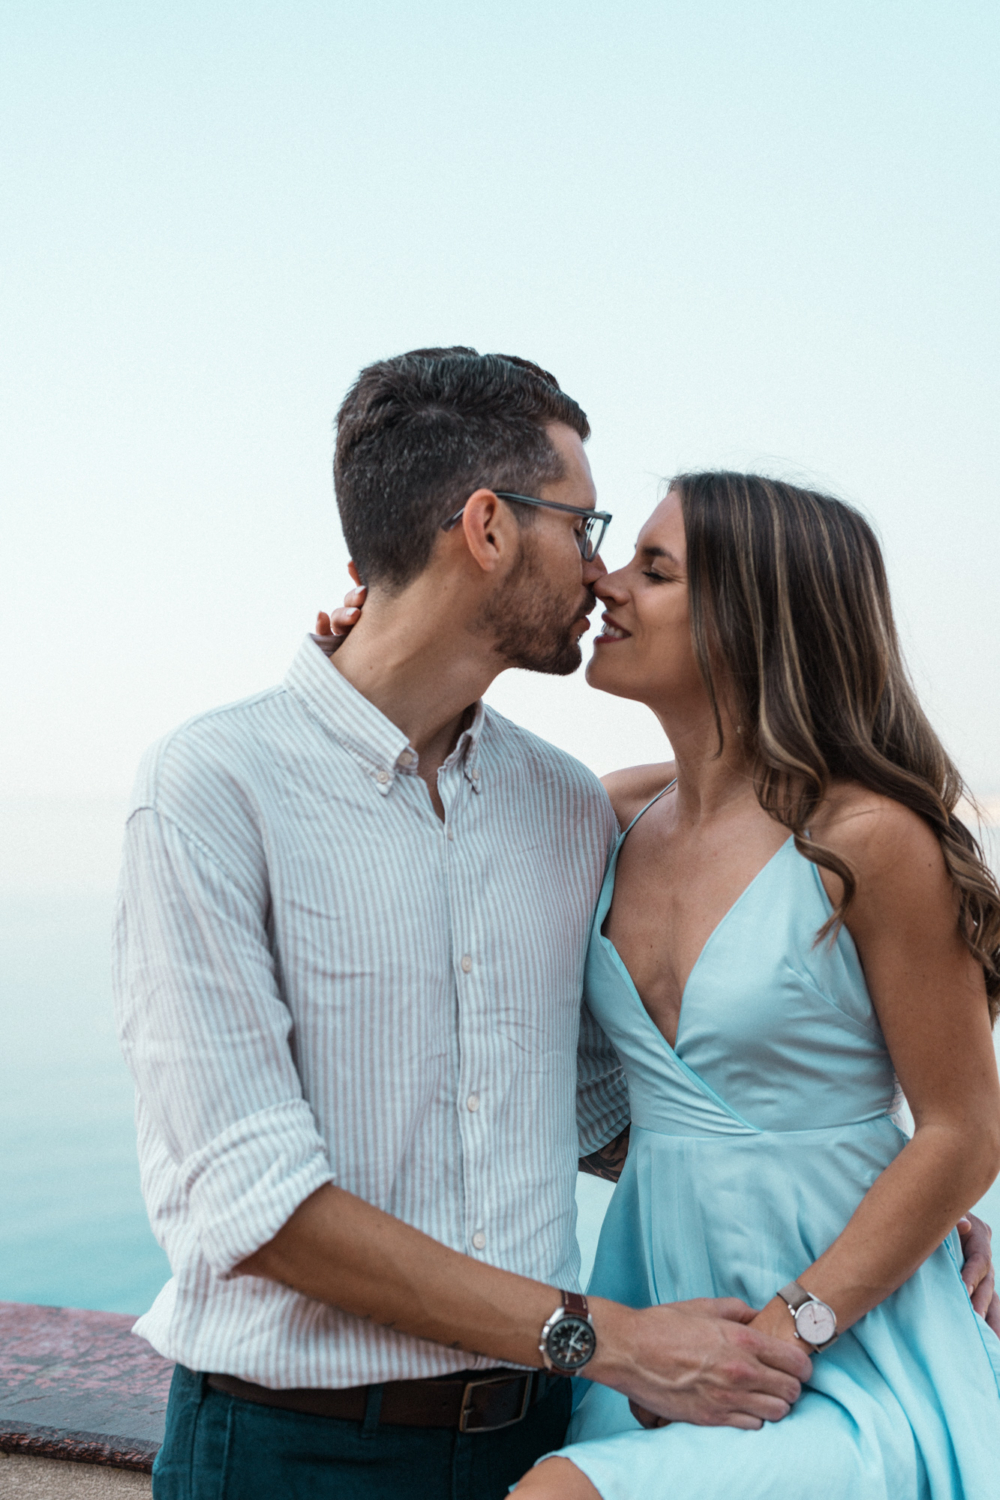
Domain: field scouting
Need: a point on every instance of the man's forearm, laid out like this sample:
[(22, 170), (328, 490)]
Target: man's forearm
[(696, 1363), (339, 1249), (609, 1160)]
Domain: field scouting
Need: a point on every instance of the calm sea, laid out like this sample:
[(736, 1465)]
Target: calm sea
[(73, 1229)]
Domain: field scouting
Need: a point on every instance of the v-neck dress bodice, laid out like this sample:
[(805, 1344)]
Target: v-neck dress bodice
[(753, 1141)]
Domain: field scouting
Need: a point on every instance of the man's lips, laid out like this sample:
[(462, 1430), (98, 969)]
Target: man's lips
[(612, 632), (589, 604)]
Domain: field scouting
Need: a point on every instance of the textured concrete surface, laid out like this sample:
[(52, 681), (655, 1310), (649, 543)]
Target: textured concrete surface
[(77, 1385), (52, 1479)]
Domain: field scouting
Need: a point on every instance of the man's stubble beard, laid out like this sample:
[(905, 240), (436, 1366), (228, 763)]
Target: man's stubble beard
[(529, 626)]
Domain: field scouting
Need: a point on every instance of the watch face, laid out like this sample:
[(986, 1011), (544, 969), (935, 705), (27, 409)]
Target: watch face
[(570, 1343), (816, 1322)]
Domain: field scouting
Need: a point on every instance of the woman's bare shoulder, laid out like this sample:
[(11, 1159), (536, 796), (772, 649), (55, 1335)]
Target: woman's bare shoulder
[(632, 788), (881, 840)]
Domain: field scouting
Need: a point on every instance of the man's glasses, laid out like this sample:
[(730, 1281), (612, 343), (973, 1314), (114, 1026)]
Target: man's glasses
[(588, 538)]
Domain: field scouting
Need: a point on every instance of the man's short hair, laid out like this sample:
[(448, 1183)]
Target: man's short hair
[(418, 434)]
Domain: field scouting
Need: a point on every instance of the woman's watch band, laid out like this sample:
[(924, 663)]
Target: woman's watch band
[(815, 1322)]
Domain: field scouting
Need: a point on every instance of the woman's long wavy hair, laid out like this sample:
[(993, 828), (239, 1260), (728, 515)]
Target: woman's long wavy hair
[(789, 599)]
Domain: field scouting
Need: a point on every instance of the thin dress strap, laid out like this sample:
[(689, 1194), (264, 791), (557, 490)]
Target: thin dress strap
[(660, 793)]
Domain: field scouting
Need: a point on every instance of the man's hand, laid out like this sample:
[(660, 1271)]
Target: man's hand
[(690, 1362), (696, 1362), (977, 1271)]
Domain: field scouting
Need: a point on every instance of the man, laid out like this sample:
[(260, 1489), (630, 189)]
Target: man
[(349, 946)]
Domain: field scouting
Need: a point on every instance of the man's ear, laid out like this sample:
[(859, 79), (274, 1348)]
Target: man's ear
[(489, 530), (354, 574)]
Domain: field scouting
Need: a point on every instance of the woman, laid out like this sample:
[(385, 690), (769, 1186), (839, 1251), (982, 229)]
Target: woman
[(793, 918)]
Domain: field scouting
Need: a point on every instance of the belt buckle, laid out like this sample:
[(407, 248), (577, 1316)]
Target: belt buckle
[(473, 1385)]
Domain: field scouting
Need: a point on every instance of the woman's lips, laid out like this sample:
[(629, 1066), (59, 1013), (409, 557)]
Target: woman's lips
[(612, 632)]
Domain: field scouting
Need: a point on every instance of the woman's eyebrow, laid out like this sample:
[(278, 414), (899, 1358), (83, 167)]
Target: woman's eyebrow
[(659, 552)]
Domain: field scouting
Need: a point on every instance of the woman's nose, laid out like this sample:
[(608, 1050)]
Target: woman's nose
[(609, 586)]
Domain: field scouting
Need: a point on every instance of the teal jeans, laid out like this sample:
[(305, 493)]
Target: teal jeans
[(218, 1447)]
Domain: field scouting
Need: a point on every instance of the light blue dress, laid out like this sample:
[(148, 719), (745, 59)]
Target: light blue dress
[(753, 1141)]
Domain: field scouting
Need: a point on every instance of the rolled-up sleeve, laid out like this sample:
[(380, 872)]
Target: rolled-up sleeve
[(602, 1108), (206, 1034)]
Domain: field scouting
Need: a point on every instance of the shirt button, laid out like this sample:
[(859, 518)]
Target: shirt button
[(479, 1240), (472, 1103), (451, 833), (406, 758), (382, 777), (474, 775), (466, 964)]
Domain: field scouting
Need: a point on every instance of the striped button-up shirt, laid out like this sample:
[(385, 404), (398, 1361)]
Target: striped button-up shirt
[(318, 980)]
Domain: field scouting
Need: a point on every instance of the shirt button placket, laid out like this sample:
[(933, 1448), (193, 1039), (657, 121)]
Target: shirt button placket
[(473, 1146), (473, 1142)]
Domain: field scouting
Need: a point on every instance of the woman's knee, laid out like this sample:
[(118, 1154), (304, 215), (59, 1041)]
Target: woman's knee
[(556, 1479)]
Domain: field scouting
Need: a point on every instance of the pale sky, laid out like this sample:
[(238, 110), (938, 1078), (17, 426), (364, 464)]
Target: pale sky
[(757, 235)]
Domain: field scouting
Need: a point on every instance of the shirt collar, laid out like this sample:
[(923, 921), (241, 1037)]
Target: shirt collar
[(466, 750), (378, 744)]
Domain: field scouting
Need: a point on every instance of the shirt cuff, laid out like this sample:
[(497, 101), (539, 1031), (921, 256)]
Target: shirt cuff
[(248, 1181)]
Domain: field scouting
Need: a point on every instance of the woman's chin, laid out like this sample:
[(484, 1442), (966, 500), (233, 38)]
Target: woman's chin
[(601, 674)]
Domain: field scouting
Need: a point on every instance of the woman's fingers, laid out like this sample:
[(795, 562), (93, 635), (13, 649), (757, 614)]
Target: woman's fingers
[(343, 620)]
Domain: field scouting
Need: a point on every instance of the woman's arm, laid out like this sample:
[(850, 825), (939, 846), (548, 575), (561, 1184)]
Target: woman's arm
[(609, 1160), (930, 998)]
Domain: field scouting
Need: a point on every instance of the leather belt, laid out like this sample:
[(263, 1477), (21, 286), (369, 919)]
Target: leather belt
[(472, 1401)]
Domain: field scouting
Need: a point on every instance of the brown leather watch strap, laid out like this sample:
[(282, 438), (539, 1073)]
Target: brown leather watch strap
[(575, 1302)]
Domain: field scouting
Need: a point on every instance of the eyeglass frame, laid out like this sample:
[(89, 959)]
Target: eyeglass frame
[(590, 516)]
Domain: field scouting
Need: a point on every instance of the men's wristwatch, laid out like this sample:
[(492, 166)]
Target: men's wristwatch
[(568, 1339), (815, 1323)]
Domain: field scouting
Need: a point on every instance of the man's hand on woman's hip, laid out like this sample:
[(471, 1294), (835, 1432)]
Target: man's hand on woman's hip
[(696, 1362), (977, 1272), (690, 1362)]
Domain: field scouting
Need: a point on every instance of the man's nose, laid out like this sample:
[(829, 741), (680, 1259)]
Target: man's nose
[(593, 569)]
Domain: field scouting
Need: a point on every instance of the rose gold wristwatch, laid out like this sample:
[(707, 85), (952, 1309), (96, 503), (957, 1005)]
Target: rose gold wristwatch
[(815, 1323)]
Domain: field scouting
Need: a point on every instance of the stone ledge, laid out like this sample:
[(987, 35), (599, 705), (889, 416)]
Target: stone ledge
[(77, 1447), (76, 1387)]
